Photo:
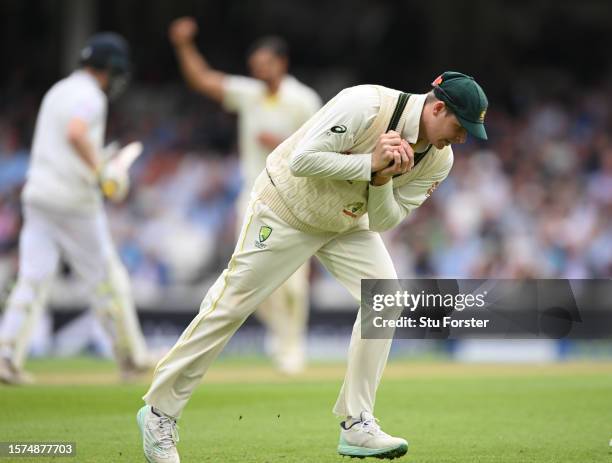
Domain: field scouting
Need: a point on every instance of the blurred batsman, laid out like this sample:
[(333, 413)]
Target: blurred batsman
[(270, 107), (64, 214), (359, 166)]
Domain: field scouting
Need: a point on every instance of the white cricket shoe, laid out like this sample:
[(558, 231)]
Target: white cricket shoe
[(289, 359), (11, 374), (291, 363), (130, 371), (159, 436), (364, 438)]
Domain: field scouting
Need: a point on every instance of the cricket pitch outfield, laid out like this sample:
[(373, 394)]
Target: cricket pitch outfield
[(246, 412)]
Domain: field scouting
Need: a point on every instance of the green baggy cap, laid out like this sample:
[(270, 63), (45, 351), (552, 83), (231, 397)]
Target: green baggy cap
[(467, 100)]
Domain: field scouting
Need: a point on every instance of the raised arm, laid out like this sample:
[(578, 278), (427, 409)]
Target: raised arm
[(196, 71)]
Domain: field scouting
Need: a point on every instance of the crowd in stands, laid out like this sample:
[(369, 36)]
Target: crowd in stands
[(533, 201)]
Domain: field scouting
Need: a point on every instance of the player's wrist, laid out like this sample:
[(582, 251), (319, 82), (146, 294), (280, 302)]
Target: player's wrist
[(98, 171), (374, 167), (183, 45), (379, 180)]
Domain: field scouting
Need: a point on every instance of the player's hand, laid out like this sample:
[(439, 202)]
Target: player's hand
[(384, 152), (182, 31), (113, 182), (403, 161)]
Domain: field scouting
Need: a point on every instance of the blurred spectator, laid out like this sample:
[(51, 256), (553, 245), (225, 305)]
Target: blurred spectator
[(536, 200)]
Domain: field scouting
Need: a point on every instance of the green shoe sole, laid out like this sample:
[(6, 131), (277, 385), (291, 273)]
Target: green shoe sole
[(140, 421), (363, 452), (140, 417)]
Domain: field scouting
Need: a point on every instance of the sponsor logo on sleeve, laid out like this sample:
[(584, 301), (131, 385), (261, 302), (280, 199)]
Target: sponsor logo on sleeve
[(338, 129)]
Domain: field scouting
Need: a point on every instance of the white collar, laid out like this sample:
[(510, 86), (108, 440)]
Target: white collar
[(82, 73)]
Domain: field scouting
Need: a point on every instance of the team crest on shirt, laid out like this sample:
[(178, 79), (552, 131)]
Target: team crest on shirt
[(353, 209), (431, 189), (264, 234)]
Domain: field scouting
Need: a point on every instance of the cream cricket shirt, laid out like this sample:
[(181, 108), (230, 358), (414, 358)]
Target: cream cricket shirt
[(280, 114), (318, 179), (57, 177)]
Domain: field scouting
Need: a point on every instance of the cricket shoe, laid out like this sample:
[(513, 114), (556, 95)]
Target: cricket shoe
[(11, 374), (159, 436), (364, 438), (130, 371), (292, 362)]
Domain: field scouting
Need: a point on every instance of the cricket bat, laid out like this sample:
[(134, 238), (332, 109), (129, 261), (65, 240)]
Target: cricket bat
[(126, 156)]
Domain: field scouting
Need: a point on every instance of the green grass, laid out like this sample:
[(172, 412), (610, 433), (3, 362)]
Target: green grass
[(555, 417)]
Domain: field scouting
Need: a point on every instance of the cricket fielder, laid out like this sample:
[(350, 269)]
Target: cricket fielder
[(361, 164), (270, 107), (64, 213)]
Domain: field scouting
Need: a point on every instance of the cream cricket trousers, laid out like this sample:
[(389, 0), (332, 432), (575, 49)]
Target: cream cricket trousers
[(86, 244), (284, 314), (267, 253)]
